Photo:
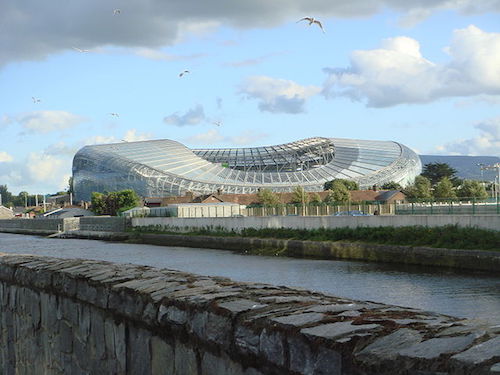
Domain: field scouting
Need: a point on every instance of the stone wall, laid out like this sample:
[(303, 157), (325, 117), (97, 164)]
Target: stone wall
[(103, 224), (36, 226), (79, 316), (491, 222), (49, 226)]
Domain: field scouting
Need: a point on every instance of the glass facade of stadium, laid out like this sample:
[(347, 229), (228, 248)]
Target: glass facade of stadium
[(164, 167)]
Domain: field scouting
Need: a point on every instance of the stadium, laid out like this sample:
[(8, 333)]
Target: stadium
[(161, 168)]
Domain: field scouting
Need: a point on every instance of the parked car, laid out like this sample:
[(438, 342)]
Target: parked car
[(351, 213)]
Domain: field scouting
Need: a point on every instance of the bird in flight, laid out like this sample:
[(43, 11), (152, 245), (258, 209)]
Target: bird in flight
[(114, 114), (184, 72), (312, 20), (35, 100), (80, 50), (116, 11), (217, 123)]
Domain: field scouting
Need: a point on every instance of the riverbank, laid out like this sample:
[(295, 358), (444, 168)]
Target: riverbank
[(481, 260)]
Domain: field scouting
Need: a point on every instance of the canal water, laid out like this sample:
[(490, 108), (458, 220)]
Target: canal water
[(459, 293)]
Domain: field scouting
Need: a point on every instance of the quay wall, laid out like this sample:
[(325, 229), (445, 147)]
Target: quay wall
[(491, 222), (61, 316)]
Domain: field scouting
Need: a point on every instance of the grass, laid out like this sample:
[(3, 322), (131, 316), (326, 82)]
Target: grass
[(450, 236)]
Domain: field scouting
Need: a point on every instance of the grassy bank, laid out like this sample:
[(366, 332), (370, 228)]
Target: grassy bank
[(451, 236)]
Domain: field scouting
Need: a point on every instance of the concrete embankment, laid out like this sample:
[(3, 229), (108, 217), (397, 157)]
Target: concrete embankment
[(463, 259), (113, 229), (77, 316)]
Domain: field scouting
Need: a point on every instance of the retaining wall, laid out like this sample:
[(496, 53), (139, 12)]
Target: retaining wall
[(491, 222), (79, 316), (49, 226)]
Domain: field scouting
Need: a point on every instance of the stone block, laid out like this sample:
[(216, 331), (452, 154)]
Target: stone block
[(271, 347), (138, 351), (240, 305), (185, 362), (214, 365), (172, 315), (162, 357), (114, 338), (301, 358), (386, 348), (433, 348), (298, 320), (337, 330), (247, 340), (479, 353)]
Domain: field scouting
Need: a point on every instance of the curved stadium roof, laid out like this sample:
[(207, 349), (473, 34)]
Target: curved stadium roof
[(165, 167)]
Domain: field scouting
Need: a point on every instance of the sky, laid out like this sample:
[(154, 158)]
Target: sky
[(75, 73)]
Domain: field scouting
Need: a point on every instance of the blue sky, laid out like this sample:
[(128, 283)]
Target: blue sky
[(428, 77)]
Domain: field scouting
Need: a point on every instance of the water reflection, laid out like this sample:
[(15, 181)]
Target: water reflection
[(459, 293)]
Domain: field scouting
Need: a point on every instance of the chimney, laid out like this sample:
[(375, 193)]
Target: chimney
[(219, 191)]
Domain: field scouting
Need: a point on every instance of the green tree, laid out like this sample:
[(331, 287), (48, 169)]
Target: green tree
[(349, 184), (338, 193), (300, 195), (315, 198), (391, 186), (98, 203), (435, 172), (472, 189), (6, 195), (445, 189), (114, 202), (267, 197), (70, 185), (421, 188)]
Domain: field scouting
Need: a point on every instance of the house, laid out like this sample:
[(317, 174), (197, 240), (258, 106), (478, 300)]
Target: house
[(381, 196)]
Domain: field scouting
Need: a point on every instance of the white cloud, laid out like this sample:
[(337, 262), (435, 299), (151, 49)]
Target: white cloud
[(31, 32), (132, 136), (277, 95), (487, 143), (397, 73), (45, 168), (246, 138), (193, 116), (5, 157), (210, 137), (5, 120), (48, 121), (213, 136)]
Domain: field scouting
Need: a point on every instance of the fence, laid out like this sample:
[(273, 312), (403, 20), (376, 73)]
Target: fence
[(449, 207)]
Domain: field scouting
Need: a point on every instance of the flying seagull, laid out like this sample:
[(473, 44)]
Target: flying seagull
[(184, 72), (217, 123), (116, 11), (80, 50), (114, 114), (312, 20), (35, 100)]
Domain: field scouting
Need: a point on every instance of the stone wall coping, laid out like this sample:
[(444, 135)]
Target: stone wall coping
[(274, 329)]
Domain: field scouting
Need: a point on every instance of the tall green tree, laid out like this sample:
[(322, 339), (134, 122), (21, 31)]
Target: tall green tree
[(300, 195), (267, 197), (472, 189), (435, 172), (114, 202), (421, 188), (445, 189), (338, 193), (6, 195), (349, 184), (315, 198)]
